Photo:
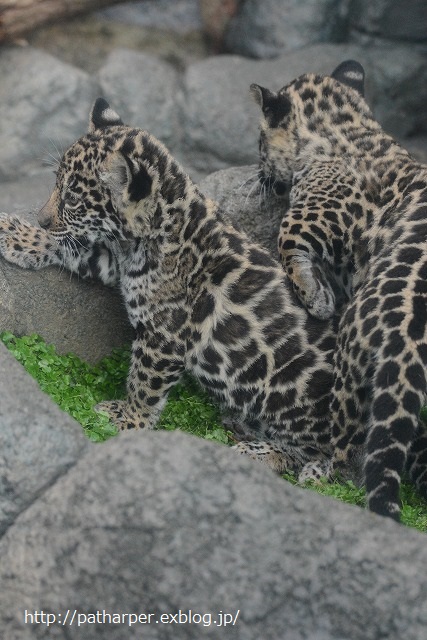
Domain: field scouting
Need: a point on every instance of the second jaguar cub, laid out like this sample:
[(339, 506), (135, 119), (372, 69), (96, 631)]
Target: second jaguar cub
[(201, 297), (357, 226)]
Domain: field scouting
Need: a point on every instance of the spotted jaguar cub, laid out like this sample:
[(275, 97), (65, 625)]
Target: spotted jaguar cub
[(357, 228), (200, 296)]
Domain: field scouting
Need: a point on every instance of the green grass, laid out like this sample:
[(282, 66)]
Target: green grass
[(77, 386)]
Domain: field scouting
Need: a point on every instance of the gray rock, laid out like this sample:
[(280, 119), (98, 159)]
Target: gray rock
[(248, 206), (150, 97), (418, 147), (400, 20), (27, 193), (178, 15), (44, 105), (271, 28), (84, 318), (162, 522), (395, 71), (38, 442)]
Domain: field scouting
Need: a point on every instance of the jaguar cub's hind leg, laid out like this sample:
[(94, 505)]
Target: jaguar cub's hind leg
[(283, 459), (379, 389), (416, 465)]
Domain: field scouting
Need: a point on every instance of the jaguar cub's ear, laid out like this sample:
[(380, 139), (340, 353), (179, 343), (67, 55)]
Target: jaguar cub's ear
[(261, 95), (275, 106), (102, 116), (127, 179), (352, 74)]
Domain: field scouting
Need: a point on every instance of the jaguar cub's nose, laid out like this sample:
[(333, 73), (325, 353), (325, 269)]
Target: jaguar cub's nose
[(45, 217)]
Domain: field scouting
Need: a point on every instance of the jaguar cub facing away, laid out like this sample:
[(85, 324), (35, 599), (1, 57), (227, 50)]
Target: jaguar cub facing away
[(357, 227), (200, 296)]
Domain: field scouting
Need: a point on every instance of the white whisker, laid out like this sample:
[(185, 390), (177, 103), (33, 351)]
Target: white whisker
[(252, 191), (253, 176)]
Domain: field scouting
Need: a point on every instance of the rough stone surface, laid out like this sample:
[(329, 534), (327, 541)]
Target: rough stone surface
[(205, 116), (44, 105), (395, 70), (250, 208), (390, 19), (140, 525), (179, 15), (270, 28), (84, 318), (28, 194), (38, 442)]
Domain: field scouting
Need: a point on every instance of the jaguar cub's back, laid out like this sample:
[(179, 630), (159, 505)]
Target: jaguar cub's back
[(357, 229)]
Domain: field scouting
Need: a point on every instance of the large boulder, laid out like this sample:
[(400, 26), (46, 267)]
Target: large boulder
[(395, 70), (38, 442), (172, 16), (391, 19), (273, 27), (45, 104), (167, 525), (82, 317)]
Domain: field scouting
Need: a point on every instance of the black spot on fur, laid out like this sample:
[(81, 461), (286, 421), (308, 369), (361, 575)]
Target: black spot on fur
[(223, 268), (249, 283), (140, 184), (417, 325), (231, 330), (255, 372), (203, 308)]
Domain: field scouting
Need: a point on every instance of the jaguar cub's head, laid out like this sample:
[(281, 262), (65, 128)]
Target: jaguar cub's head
[(108, 182), (305, 112)]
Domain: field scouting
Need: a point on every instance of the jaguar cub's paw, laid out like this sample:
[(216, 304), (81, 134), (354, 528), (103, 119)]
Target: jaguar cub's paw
[(118, 413), (310, 285), (319, 300), (314, 472), (262, 452), (23, 244), (8, 236)]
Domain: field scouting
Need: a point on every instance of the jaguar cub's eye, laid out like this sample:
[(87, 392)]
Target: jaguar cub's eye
[(71, 198)]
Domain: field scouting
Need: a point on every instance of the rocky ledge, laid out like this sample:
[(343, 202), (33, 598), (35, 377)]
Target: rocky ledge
[(162, 522)]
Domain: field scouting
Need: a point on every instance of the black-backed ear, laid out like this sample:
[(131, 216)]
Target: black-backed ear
[(261, 95), (275, 106), (102, 116), (352, 74), (128, 179)]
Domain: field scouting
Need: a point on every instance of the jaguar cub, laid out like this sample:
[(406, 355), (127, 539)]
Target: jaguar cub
[(200, 296), (357, 228)]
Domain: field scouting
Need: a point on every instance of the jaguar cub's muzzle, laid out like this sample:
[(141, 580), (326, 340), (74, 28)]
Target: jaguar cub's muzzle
[(46, 215)]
